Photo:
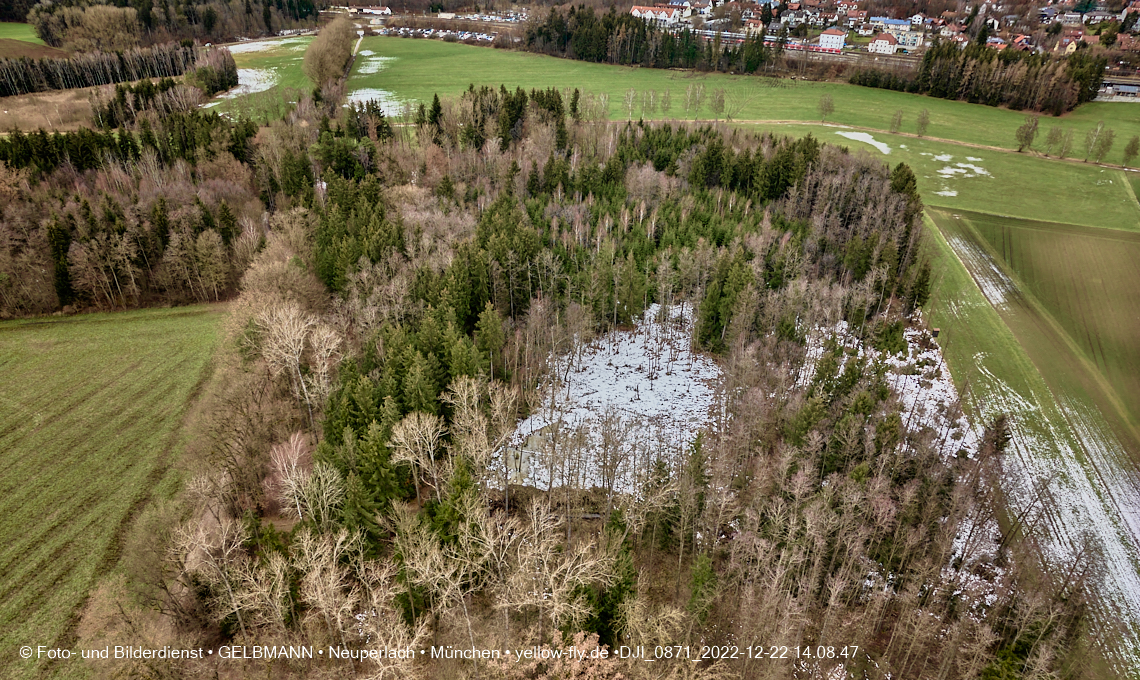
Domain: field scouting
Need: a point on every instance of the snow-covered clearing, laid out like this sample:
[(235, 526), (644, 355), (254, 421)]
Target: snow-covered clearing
[(631, 397), (388, 102), (866, 138), (251, 80)]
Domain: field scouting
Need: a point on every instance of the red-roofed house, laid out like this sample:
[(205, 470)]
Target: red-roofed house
[(833, 38), (665, 16), (884, 43)]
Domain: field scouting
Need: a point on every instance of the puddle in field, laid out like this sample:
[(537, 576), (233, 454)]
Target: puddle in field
[(251, 80), (373, 63), (266, 45), (389, 103), (867, 139)]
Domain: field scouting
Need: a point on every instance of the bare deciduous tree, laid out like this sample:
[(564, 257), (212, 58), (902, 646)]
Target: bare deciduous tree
[(415, 440)]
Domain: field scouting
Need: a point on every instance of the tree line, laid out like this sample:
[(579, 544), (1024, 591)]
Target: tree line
[(980, 75), (614, 38), (80, 25), (24, 75)]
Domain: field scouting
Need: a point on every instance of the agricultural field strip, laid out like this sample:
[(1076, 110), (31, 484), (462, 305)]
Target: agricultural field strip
[(1061, 442), (85, 431), (1064, 269)]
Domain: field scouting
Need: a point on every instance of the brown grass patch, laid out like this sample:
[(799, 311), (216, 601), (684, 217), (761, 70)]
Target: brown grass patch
[(14, 49), (54, 110)]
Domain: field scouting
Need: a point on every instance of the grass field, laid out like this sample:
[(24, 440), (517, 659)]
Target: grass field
[(1011, 358), (90, 415), (270, 76), (417, 69), (1006, 183), (20, 40), (1086, 280), (22, 32)]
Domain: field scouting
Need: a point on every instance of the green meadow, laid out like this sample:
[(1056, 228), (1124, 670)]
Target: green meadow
[(418, 69), (273, 70), (91, 414), (22, 32)]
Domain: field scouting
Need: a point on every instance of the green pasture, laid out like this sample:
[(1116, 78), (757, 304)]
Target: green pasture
[(280, 62), (1018, 185), (22, 32), (91, 409), (1079, 288), (422, 68)]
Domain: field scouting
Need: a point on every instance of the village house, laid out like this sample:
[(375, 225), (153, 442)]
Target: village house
[(856, 17), (884, 43), (833, 38), (662, 16), (755, 27), (685, 7), (865, 30)]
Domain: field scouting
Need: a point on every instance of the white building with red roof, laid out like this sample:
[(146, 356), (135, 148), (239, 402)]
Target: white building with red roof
[(665, 16), (884, 43), (833, 38)]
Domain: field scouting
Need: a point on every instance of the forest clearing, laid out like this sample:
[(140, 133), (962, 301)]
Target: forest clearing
[(91, 428)]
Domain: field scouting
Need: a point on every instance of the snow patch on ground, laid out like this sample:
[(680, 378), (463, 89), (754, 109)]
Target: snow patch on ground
[(928, 397), (389, 104), (866, 138), (977, 170), (963, 169), (251, 80), (944, 158), (946, 192), (631, 398), (266, 45), (374, 64), (973, 160), (995, 283)]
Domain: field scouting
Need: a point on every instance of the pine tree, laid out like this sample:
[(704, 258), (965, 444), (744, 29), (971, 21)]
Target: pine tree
[(419, 389), (490, 337), (358, 512), (227, 224)]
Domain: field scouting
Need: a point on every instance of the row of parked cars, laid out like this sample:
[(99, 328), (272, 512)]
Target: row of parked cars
[(438, 34), (503, 17)]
